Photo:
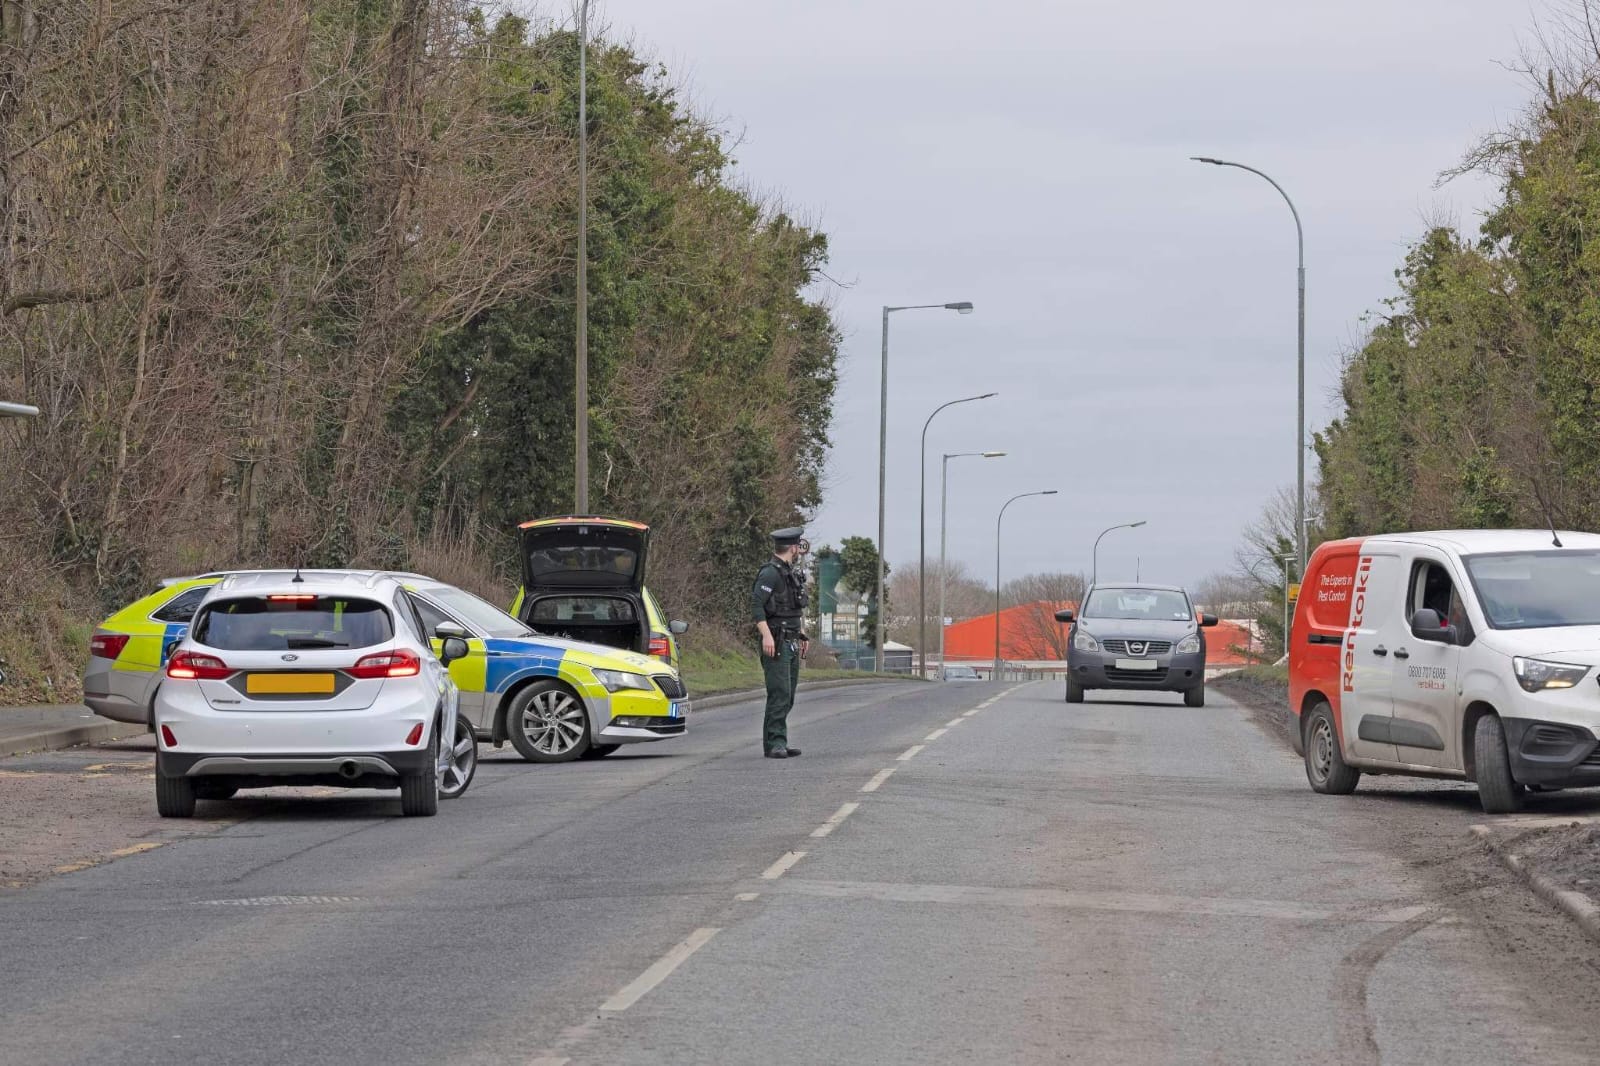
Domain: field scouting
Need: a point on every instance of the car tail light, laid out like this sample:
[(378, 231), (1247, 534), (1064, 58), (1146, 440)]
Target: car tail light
[(660, 647), (107, 645), (397, 663), (415, 736), (167, 738), (296, 598), (192, 666)]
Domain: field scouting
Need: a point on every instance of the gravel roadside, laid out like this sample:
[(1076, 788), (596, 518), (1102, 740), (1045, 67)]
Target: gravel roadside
[(1565, 854)]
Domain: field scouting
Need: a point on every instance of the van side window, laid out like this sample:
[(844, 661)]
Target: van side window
[(1432, 589)]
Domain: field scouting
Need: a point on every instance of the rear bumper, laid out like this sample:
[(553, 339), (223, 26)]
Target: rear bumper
[(121, 695), (1553, 754), (375, 769)]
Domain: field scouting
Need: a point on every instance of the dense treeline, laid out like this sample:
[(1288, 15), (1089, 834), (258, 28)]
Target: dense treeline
[(1475, 400), (293, 280)]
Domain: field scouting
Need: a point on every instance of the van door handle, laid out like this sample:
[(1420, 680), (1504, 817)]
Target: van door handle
[(1380, 650), (1401, 653)]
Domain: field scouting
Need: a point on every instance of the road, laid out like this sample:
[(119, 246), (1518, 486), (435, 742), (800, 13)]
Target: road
[(953, 873)]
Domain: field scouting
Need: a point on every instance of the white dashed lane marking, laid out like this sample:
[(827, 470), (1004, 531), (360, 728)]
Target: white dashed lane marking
[(777, 869), (909, 753), (659, 971), (937, 733), (833, 823), (877, 780)]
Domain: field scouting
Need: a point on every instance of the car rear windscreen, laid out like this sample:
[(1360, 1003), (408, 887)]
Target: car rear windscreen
[(284, 623)]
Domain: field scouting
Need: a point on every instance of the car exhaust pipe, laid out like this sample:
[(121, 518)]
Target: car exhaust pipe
[(349, 770)]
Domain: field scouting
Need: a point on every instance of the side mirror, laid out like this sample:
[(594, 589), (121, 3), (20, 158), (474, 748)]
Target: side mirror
[(1208, 620), (454, 648), (446, 630), (1427, 625), (678, 629), (1066, 616), (166, 649)]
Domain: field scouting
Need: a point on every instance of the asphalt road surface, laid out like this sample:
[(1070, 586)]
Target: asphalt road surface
[(962, 872)]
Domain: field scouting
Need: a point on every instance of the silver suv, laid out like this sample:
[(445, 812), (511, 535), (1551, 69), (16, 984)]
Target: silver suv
[(1140, 637)]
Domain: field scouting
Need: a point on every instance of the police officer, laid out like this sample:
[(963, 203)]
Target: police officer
[(777, 601)]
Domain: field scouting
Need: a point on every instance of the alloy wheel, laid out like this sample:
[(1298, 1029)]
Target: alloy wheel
[(459, 762), (554, 722)]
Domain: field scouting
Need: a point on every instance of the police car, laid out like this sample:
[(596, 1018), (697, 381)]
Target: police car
[(1470, 655), (553, 699)]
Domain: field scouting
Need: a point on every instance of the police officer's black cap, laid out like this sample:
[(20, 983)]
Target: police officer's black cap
[(785, 538)]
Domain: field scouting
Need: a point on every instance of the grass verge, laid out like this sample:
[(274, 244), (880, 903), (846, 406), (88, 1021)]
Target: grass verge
[(708, 672)]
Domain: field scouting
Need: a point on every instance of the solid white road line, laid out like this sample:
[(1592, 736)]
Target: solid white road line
[(909, 753), (777, 869), (877, 779), (659, 971), (952, 723), (833, 823), (937, 733)]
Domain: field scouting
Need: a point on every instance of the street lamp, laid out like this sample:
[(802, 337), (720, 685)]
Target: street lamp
[(1094, 576), (944, 477), (1300, 431), (1008, 503), (581, 359), (961, 307), (922, 534)]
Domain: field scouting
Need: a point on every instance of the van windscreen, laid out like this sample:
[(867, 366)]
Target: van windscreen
[(1534, 590)]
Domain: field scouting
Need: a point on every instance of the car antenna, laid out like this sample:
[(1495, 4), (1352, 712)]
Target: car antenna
[(297, 579), (1555, 537)]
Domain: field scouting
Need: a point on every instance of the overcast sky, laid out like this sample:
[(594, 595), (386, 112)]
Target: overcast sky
[(1135, 310)]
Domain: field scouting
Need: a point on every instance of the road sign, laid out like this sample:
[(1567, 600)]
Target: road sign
[(1294, 591)]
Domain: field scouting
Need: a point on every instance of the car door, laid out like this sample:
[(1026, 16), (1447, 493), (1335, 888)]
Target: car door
[(1427, 670), (1367, 668), (469, 674)]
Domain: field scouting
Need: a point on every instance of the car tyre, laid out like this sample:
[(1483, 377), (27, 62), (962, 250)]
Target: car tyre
[(1195, 697), (600, 751), (1074, 691), (174, 795), (1325, 765), (419, 792), (1498, 792), (548, 723), (462, 766)]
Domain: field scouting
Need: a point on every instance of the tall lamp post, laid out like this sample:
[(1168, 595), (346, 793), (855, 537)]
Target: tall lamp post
[(1300, 431), (581, 392), (961, 307), (922, 535), (1094, 575), (944, 478), (997, 521)]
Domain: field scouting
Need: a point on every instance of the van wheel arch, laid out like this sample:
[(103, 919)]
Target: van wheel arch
[(1469, 729), (1297, 731)]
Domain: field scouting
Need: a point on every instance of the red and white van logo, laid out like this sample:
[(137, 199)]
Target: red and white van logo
[(1358, 610)]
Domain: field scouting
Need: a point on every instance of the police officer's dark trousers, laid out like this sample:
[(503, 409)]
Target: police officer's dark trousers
[(782, 672)]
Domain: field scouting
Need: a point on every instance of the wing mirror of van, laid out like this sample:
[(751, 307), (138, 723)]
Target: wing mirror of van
[(447, 630), (1427, 625), (1208, 620), (1065, 616), (454, 648), (678, 629)]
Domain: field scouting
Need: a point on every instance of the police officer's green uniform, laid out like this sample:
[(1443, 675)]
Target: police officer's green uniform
[(778, 598)]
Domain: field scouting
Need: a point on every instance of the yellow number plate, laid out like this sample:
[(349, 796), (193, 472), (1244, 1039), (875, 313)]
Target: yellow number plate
[(281, 684)]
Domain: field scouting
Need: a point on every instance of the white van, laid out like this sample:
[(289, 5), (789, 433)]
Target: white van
[(1470, 654)]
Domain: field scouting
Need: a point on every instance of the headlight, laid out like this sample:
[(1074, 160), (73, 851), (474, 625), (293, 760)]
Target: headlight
[(1189, 644), (1536, 674), (1084, 642), (617, 680)]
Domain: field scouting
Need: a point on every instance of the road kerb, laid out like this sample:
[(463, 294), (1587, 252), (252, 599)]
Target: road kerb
[(1580, 907), (68, 737)]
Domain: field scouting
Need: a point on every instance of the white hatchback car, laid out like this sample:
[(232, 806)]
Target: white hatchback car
[(317, 679)]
